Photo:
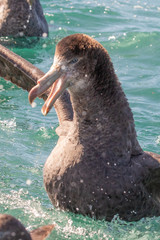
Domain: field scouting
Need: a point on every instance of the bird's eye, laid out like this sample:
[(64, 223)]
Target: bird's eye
[(74, 60)]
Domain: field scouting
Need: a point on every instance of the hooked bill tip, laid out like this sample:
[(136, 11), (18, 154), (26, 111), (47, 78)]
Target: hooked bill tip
[(30, 98), (44, 114), (33, 104), (32, 94), (44, 110)]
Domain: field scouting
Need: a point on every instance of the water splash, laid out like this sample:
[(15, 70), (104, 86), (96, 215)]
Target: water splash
[(8, 124)]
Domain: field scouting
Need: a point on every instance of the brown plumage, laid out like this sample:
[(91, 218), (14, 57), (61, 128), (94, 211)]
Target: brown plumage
[(22, 18), (12, 229), (97, 167)]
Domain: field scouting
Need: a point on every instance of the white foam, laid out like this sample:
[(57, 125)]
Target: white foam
[(111, 38), (138, 7), (158, 140), (8, 123)]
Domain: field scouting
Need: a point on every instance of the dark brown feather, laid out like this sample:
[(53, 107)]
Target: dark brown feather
[(12, 229), (22, 18)]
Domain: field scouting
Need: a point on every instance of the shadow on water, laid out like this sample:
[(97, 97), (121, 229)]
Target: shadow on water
[(29, 42), (19, 42)]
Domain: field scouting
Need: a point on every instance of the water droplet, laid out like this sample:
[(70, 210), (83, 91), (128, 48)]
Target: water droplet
[(44, 45), (44, 35), (28, 182), (63, 67), (90, 207), (34, 105), (21, 34)]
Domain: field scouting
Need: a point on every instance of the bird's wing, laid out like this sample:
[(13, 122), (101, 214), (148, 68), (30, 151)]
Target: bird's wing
[(25, 75), (42, 232), (17, 70), (152, 180)]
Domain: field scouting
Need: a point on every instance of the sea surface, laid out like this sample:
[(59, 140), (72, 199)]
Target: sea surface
[(130, 31)]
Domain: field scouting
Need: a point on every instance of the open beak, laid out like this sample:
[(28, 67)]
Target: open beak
[(55, 78)]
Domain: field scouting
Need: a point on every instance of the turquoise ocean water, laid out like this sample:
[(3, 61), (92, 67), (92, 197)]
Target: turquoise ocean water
[(130, 31)]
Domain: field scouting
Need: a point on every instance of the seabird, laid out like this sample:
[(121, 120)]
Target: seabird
[(20, 18), (12, 229), (97, 168)]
